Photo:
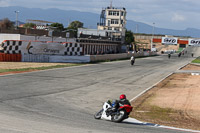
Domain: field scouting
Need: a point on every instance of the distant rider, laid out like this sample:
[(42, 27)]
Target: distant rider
[(169, 55), (132, 60)]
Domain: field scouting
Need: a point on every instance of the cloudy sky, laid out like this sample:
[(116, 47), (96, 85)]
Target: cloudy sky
[(171, 14)]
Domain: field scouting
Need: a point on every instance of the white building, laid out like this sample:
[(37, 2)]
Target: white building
[(113, 19)]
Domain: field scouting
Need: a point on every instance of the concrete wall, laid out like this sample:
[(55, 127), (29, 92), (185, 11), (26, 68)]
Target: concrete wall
[(30, 38), (94, 58), (55, 58), (42, 38), (70, 59), (9, 37)]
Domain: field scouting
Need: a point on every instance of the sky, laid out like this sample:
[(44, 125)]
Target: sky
[(170, 14)]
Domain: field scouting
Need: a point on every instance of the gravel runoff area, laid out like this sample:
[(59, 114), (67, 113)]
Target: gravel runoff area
[(173, 102)]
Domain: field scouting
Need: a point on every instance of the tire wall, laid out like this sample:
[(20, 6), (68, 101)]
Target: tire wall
[(10, 57)]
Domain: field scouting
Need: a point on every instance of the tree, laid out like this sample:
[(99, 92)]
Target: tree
[(29, 25), (58, 26), (129, 39), (73, 28), (75, 25), (6, 24)]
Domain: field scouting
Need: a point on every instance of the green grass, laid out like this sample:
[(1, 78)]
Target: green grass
[(156, 112), (179, 50), (197, 60), (38, 68)]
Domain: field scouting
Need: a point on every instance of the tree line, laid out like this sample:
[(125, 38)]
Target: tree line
[(72, 28)]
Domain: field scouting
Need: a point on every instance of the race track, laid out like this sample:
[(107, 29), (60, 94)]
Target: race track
[(64, 100)]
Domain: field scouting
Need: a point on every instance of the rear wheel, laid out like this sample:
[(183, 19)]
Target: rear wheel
[(132, 63), (98, 114), (119, 117)]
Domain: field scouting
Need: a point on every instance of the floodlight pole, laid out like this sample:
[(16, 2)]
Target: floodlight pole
[(152, 35), (16, 19)]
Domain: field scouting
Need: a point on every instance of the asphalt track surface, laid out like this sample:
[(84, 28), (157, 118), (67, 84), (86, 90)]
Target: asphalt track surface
[(65, 100)]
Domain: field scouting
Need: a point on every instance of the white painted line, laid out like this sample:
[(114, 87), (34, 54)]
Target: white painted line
[(180, 129), (150, 88), (155, 84), (135, 121)]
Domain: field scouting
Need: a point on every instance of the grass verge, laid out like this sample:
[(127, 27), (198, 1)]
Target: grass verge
[(37, 68), (197, 60)]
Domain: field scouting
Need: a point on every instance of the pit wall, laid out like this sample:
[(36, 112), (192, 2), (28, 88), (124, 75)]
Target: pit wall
[(67, 59), (95, 58), (36, 51)]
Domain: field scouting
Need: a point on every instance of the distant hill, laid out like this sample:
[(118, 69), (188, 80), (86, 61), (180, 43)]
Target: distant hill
[(90, 20)]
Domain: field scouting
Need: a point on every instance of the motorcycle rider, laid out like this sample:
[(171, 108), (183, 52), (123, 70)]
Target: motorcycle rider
[(132, 60), (169, 55), (121, 102)]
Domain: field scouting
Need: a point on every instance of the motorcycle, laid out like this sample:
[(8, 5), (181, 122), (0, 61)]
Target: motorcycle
[(115, 116), (132, 62)]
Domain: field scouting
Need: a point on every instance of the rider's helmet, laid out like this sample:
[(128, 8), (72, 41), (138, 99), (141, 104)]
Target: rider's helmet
[(122, 97)]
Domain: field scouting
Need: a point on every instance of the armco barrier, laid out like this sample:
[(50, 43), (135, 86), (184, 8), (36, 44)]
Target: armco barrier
[(10, 57)]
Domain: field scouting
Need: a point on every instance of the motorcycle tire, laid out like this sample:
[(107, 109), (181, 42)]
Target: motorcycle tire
[(132, 63), (120, 117), (98, 114)]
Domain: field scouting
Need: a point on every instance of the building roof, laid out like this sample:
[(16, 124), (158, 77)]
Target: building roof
[(38, 22)]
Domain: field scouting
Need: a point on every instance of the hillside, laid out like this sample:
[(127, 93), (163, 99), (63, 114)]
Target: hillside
[(90, 20)]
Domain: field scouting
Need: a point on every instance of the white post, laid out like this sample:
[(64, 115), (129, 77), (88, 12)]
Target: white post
[(152, 36), (16, 18)]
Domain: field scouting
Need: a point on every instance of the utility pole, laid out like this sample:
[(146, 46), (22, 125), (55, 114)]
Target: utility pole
[(16, 19), (152, 35), (136, 28)]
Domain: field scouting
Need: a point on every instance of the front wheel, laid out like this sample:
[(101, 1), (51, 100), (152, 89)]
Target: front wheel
[(119, 117), (98, 114)]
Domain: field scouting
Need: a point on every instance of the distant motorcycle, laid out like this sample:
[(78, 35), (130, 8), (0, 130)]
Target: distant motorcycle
[(108, 114), (132, 62), (169, 55)]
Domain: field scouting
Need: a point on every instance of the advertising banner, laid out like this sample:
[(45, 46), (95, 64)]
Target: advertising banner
[(43, 48), (194, 42), (40, 48), (169, 41)]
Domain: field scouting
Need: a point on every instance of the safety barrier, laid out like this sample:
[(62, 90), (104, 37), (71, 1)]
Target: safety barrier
[(94, 58), (10, 57), (35, 58)]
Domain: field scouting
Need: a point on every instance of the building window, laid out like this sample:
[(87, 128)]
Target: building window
[(117, 29), (122, 13), (113, 13), (114, 21), (109, 28), (117, 13), (108, 22), (122, 21)]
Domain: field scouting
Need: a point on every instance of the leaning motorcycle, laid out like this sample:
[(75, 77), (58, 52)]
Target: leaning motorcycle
[(116, 116)]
